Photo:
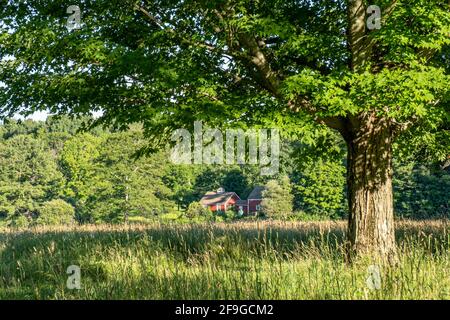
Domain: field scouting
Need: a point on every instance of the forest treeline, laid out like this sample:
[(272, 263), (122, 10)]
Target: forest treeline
[(52, 173)]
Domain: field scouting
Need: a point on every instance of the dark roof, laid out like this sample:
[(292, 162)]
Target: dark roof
[(241, 202), (211, 198), (256, 193)]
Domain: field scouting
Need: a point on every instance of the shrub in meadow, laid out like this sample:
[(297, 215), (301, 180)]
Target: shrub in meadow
[(56, 212)]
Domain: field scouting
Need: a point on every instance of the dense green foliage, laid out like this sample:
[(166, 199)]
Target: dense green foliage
[(422, 190), (219, 261), (47, 167), (237, 62), (277, 199), (319, 188)]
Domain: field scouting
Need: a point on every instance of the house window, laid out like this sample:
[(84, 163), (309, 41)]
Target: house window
[(258, 207)]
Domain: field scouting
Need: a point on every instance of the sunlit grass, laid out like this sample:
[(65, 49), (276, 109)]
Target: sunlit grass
[(254, 260)]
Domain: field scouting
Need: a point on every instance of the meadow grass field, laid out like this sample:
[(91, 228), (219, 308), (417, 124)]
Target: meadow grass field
[(246, 260)]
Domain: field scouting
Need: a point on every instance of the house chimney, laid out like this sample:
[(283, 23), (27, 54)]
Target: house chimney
[(220, 190)]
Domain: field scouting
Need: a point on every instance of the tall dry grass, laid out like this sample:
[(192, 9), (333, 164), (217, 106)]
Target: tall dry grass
[(247, 260)]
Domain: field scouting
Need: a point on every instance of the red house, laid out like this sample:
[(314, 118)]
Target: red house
[(219, 200), (254, 200), (222, 201)]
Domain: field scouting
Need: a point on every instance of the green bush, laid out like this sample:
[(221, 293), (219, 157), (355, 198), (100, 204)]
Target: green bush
[(196, 210), (20, 221), (56, 212), (228, 215)]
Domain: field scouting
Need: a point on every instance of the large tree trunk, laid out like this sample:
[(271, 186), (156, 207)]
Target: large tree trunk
[(370, 197), (369, 174)]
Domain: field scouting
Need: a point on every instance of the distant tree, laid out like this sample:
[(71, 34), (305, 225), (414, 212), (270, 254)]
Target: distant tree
[(181, 179), (14, 127), (29, 176), (239, 179), (422, 191), (131, 187), (209, 179), (78, 165), (319, 188), (69, 125), (235, 180), (277, 198)]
